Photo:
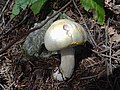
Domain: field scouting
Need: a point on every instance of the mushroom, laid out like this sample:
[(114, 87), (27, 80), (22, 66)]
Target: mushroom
[(63, 35)]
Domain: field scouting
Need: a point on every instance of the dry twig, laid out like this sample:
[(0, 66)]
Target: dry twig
[(90, 36), (108, 63), (4, 7)]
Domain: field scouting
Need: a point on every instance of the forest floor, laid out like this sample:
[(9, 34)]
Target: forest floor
[(97, 62)]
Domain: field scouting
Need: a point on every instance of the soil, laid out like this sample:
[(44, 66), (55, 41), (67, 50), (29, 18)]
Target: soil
[(97, 62)]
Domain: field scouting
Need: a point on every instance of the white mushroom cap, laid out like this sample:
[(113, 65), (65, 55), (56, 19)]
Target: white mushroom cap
[(63, 33)]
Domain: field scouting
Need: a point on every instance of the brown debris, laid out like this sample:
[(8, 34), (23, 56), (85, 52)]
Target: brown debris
[(93, 61)]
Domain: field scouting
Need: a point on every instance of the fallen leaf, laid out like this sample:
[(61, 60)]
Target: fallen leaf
[(111, 31), (116, 37)]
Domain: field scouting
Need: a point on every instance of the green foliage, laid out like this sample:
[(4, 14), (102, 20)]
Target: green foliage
[(35, 6), (15, 10), (97, 5)]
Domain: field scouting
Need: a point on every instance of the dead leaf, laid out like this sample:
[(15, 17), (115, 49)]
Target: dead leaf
[(111, 31), (88, 61), (115, 37)]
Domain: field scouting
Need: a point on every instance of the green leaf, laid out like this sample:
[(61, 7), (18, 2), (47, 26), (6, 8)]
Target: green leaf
[(15, 10), (19, 4), (36, 6), (33, 1), (97, 5), (23, 3)]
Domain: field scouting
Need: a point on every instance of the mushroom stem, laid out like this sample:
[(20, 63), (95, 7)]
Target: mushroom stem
[(67, 64)]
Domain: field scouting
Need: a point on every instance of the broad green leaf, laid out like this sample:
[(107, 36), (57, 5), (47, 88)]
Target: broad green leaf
[(15, 10), (33, 1), (36, 7), (97, 5), (16, 7), (23, 3)]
